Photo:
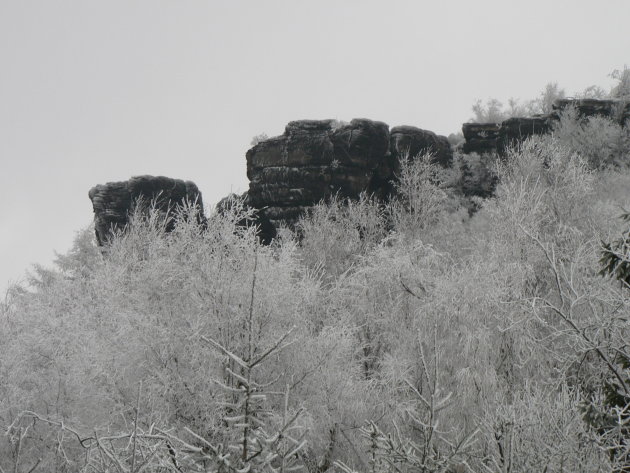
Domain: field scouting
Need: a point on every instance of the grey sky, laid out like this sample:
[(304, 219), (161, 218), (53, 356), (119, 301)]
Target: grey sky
[(93, 91)]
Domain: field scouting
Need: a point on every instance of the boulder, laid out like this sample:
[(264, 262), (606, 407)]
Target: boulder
[(113, 202), (480, 137)]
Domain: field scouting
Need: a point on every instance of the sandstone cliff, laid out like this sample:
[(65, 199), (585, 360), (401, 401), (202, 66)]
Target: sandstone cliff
[(497, 137), (313, 160), (113, 202)]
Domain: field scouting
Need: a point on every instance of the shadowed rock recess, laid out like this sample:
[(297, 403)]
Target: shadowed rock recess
[(113, 202)]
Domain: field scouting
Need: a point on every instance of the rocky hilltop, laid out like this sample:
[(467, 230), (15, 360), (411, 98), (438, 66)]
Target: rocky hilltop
[(315, 159)]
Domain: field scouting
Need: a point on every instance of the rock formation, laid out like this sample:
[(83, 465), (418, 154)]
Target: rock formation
[(588, 107), (480, 137), (490, 137), (411, 141), (313, 160), (498, 137), (516, 130), (113, 202)]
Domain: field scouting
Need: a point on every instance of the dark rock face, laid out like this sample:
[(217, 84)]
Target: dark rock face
[(411, 141), (488, 137), (617, 110), (113, 202), (310, 162), (480, 137), (516, 130), (313, 160), (588, 107), (361, 144), (265, 229)]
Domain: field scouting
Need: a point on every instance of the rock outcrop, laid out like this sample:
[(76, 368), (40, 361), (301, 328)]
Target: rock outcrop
[(315, 159), (113, 202), (498, 137), (490, 137), (310, 162), (411, 141), (588, 107), (480, 137), (516, 130)]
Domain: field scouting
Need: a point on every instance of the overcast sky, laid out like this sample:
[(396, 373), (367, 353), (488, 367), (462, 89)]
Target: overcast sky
[(95, 91)]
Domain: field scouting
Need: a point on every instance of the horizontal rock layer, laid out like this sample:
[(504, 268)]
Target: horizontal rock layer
[(588, 107)]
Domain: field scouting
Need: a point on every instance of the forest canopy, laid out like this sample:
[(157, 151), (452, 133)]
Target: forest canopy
[(474, 323)]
